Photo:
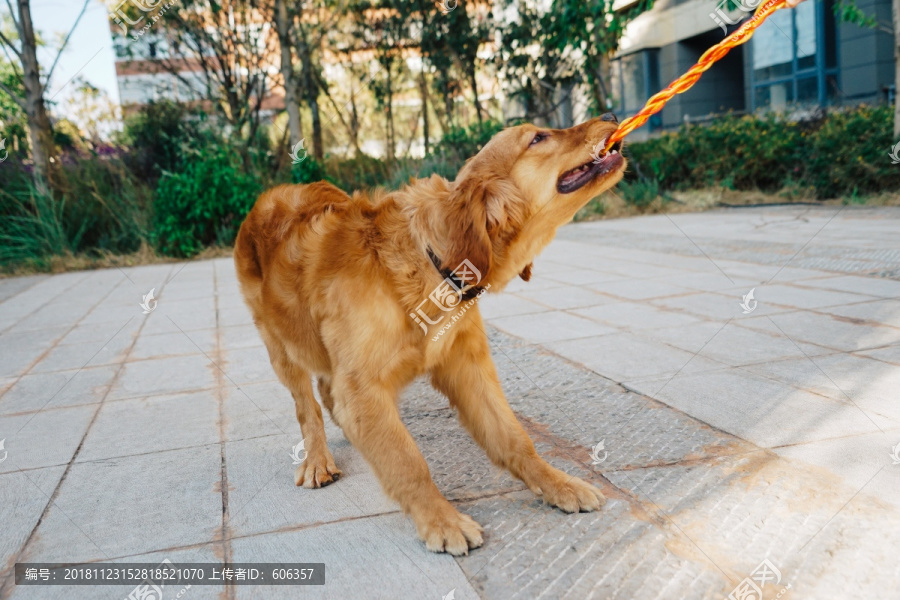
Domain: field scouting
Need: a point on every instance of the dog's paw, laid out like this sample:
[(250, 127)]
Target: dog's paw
[(316, 472), (448, 530), (569, 493)]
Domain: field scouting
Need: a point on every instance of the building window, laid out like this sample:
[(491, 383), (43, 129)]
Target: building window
[(794, 58), (635, 78)]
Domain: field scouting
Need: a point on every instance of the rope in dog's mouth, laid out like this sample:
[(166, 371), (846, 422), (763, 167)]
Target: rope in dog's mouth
[(686, 81)]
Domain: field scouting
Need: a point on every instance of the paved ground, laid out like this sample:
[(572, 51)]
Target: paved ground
[(727, 438)]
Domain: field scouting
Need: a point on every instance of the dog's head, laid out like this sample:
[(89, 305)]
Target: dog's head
[(508, 201)]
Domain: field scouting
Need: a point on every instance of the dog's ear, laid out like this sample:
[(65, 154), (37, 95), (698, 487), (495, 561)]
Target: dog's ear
[(526, 272), (467, 225)]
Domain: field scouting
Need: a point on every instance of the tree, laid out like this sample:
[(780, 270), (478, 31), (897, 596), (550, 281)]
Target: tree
[(284, 21), (229, 49), (20, 49), (545, 53)]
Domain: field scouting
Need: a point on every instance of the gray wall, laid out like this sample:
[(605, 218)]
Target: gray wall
[(866, 57)]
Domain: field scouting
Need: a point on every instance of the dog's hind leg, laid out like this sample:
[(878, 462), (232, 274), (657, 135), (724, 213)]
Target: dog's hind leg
[(468, 378), (318, 469)]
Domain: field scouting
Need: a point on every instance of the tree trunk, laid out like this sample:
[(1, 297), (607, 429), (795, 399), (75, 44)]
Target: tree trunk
[(291, 99), (896, 18), (354, 123), (389, 113), (312, 97), (474, 84), (40, 132), (423, 86)]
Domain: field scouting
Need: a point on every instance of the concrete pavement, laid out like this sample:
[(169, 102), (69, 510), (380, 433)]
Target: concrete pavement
[(725, 430)]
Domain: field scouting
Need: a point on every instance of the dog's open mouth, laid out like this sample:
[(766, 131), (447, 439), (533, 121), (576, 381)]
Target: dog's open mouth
[(601, 163)]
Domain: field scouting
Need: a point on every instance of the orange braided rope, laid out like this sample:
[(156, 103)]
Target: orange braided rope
[(684, 83)]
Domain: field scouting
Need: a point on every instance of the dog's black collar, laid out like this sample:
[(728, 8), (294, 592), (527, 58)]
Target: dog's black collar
[(467, 293)]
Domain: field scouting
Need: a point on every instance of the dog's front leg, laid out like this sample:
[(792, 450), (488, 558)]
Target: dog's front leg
[(469, 380), (367, 412)]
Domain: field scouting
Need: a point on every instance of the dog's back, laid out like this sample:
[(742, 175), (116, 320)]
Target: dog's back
[(279, 214)]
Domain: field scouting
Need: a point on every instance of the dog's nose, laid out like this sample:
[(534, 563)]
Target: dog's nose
[(609, 117)]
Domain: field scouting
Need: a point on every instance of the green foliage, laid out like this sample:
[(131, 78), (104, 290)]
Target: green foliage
[(157, 136), (849, 153), (308, 171), (205, 202), (360, 172), (834, 155), (465, 142), (102, 209), (640, 193)]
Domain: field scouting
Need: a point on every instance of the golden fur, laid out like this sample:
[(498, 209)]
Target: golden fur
[(332, 281)]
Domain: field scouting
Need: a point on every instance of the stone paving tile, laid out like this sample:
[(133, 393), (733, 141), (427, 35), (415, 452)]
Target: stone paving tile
[(23, 497), (551, 326), (605, 554), (493, 306), (735, 345), (742, 509), (869, 384), (154, 424), (760, 410), (207, 554), (182, 373), (626, 356), (162, 345), (57, 389), (569, 297), (12, 286), (827, 331), (378, 558), (692, 508), (870, 286), (133, 505), (634, 316), (43, 439), (18, 351), (883, 312), (635, 289)]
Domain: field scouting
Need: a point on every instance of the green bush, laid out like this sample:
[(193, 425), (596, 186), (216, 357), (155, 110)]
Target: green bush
[(99, 207), (640, 193), (157, 138), (307, 171), (835, 155), (205, 202), (848, 154)]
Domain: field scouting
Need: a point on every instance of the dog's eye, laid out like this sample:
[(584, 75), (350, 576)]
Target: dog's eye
[(538, 137)]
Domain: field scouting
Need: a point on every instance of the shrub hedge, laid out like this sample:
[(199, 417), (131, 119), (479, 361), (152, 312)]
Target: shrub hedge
[(842, 153), (177, 183)]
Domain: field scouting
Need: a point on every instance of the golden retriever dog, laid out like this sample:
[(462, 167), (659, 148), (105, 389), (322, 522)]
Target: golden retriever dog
[(367, 292)]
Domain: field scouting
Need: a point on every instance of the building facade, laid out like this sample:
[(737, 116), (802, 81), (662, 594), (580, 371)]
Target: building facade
[(798, 60)]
